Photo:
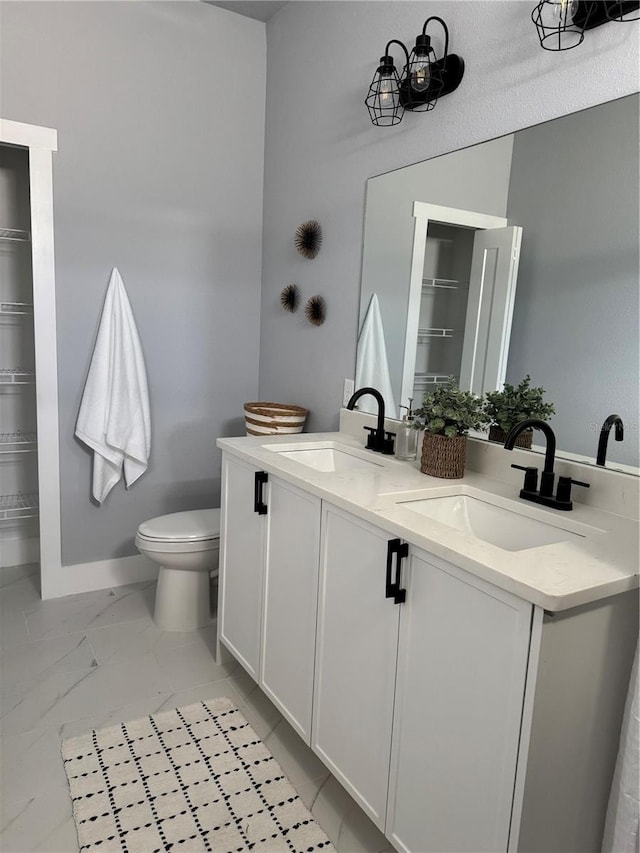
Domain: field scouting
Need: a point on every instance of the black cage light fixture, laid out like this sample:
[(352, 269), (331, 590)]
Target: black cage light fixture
[(561, 24), (423, 80)]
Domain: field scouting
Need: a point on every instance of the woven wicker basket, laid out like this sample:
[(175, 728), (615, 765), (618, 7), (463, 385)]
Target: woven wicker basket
[(443, 456), (523, 440), (273, 418)]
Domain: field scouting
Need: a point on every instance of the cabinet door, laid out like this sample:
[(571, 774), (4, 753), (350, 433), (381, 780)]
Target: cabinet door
[(290, 602), (241, 564), (461, 675), (355, 659)]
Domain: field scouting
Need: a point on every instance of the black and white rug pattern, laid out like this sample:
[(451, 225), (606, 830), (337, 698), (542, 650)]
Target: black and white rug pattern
[(192, 779)]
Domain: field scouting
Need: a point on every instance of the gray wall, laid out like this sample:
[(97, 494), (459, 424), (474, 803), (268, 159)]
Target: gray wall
[(321, 148), (473, 179), (159, 172), (575, 324)]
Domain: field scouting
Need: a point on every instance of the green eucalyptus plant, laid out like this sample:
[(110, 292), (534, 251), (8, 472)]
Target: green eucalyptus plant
[(513, 404), (450, 411)]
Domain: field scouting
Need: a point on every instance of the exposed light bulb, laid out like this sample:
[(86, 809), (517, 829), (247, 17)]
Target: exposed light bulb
[(564, 10), (420, 76), (386, 90)]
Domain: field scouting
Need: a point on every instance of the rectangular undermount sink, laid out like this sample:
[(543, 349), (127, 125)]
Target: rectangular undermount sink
[(486, 519), (325, 456)]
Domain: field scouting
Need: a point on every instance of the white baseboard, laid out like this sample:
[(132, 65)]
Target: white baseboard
[(103, 574), (19, 551)]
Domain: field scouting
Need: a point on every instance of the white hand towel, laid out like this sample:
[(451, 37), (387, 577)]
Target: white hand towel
[(114, 419), (372, 367)]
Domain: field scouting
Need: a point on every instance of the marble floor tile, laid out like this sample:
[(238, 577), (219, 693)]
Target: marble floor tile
[(147, 706), (13, 628), (202, 693), (36, 659), (189, 666), (63, 696), (259, 710), (348, 827), (293, 755), (41, 823), (11, 574), (30, 765), (21, 593), (76, 613), (120, 641), (97, 659)]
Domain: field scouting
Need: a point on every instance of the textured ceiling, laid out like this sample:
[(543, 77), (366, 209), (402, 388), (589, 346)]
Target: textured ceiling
[(261, 10)]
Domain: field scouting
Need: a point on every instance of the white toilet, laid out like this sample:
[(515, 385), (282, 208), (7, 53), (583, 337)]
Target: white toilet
[(186, 546)]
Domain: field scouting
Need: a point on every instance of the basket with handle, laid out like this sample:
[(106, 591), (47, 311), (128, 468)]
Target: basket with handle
[(274, 418)]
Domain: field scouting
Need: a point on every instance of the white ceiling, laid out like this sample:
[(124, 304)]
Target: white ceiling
[(261, 10)]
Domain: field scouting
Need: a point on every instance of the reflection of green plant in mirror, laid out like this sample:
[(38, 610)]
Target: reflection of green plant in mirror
[(450, 411), (513, 404)]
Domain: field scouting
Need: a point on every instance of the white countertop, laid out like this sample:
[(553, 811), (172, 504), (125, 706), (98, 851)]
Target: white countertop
[(555, 577)]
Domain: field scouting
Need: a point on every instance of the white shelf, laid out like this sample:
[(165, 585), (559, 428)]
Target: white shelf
[(16, 376), (429, 284), (425, 334), (15, 507), (14, 235), (423, 379), (18, 442), (14, 309)]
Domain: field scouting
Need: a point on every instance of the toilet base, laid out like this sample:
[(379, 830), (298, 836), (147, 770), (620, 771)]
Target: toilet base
[(182, 600)]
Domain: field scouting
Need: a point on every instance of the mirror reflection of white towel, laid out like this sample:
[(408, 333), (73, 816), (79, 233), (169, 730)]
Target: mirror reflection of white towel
[(372, 366), (114, 418)]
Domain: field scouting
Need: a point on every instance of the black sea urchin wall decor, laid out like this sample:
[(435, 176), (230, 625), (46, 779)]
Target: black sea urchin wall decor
[(290, 297), (316, 310), (308, 238)]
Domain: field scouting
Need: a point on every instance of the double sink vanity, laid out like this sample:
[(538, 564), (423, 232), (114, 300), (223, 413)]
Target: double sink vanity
[(456, 657)]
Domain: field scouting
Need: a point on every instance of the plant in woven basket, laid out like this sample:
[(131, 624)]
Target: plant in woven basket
[(446, 416), (515, 403), (450, 411)]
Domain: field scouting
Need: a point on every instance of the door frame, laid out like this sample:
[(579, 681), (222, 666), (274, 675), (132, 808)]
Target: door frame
[(41, 142), (424, 213)]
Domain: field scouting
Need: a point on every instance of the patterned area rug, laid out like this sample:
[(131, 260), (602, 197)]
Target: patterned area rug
[(192, 779)]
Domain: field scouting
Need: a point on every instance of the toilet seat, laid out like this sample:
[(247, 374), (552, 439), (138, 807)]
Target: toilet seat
[(199, 527)]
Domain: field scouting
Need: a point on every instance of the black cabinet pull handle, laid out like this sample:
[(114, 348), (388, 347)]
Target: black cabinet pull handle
[(392, 588), (259, 505)]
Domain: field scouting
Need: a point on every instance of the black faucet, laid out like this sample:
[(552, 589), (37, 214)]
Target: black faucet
[(376, 439), (604, 436), (529, 492)]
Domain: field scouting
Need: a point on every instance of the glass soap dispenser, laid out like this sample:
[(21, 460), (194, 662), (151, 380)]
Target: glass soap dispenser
[(407, 437)]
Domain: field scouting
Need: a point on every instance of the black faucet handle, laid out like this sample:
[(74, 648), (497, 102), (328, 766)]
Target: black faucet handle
[(371, 438), (530, 477), (564, 488), (390, 435)]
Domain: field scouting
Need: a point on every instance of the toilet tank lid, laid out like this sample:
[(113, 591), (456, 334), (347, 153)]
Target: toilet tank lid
[(192, 526)]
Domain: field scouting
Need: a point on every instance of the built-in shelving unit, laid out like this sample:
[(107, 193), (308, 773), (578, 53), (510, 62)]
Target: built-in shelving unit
[(18, 442), (18, 407), (17, 376), (424, 380), (443, 284), (29, 452), (18, 507), (15, 235), (16, 309)]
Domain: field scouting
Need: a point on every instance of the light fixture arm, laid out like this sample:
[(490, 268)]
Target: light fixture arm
[(396, 41), (446, 32)]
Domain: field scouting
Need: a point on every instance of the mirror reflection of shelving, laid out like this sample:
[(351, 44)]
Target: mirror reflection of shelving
[(18, 438), (443, 306)]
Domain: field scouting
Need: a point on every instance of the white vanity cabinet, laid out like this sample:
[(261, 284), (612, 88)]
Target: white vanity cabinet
[(454, 653), (462, 663), (460, 716), (268, 584), (357, 646)]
